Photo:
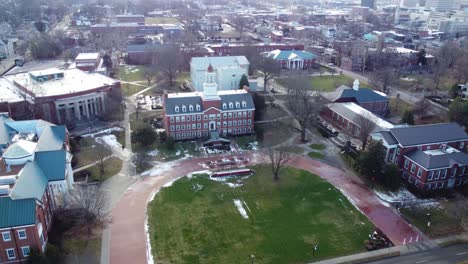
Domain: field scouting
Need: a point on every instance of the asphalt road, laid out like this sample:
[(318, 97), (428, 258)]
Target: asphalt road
[(448, 255)]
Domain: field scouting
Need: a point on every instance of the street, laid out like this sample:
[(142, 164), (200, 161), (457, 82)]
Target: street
[(452, 254)]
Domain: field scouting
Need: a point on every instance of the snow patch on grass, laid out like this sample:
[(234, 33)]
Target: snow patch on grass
[(240, 208)]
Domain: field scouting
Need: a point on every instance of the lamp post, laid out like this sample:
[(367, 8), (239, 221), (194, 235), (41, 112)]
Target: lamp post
[(252, 258), (315, 245), (428, 222)]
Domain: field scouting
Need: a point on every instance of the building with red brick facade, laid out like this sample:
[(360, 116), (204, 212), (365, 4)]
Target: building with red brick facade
[(58, 95), (195, 115), (430, 156), (292, 59), (35, 173), (374, 101)]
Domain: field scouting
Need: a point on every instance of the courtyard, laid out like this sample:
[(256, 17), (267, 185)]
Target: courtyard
[(198, 220)]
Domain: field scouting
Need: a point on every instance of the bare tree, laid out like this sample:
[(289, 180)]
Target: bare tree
[(92, 204), (101, 155), (421, 107), (445, 59), (240, 24), (150, 73), (269, 70), (278, 160), (304, 102), (168, 62), (365, 126), (383, 79)]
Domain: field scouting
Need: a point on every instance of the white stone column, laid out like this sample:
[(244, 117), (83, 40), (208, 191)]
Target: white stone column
[(77, 110), (96, 105), (103, 103), (57, 111), (67, 113)]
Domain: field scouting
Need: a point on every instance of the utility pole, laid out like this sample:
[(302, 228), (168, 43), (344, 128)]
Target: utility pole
[(428, 222), (252, 259)]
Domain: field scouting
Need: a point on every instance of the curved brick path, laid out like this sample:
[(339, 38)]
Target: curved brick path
[(128, 238)]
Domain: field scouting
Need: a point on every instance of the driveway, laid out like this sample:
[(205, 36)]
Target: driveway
[(128, 236)]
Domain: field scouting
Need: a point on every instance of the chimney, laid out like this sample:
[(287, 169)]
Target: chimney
[(356, 85)]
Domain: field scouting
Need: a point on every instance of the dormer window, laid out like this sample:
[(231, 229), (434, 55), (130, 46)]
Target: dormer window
[(198, 107), (190, 108), (184, 108), (237, 104), (176, 109), (231, 105), (224, 105), (244, 104)]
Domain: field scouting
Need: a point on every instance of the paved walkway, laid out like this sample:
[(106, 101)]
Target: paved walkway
[(128, 236)]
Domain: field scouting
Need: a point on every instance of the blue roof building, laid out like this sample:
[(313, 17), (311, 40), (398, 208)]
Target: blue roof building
[(292, 59), (374, 101)]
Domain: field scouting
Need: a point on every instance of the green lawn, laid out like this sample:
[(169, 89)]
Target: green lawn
[(112, 166), (328, 83), (317, 146), (161, 20), (87, 151), (442, 224), (80, 249), (316, 155), (129, 89), (195, 220), (131, 73), (120, 135)]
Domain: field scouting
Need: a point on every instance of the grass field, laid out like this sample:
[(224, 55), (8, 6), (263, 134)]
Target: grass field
[(113, 165), (129, 89), (88, 151), (328, 83), (196, 221), (316, 155), (317, 146), (161, 20), (442, 224), (131, 73)]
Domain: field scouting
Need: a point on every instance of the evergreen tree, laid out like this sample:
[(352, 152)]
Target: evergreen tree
[(408, 117), (371, 162), (458, 112), (244, 81)]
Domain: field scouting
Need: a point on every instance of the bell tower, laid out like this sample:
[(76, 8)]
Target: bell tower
[(210, 87)]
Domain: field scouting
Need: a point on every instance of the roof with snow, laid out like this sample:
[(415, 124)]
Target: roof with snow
[(202, 63), (352, 111), (289, 54)]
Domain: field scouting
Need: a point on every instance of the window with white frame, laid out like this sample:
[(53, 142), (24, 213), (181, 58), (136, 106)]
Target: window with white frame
[(224, 105), (419, 172), (10, 253), (234, 123), (172, 128), (431, 175), (198, 107), (188, 118), (193, 117), (194, 126), (190, 108), (454, 172), (224, 123), (231, 105), (444, 174), (428, 148), (25, 251), (237, 104), (6, 236), (398, 151), (437, 175), (230, 115), (244, 114), (205, 126), (234, 115), (413, 167), (224, 115), (177, 128), (177, 119), (22, 234), (198, 126), (172, 119), (205, 117), (250, 113), (462, 145), (244, 104), (406, 164), (184, 108), (218, 116), (183, 127), (176, 109), (198, 117), (182, 118)]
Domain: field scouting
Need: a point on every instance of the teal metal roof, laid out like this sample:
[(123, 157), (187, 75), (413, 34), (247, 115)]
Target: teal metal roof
[(20, 149), (36, 126), (52, 164), (31, 183), (17, 212), (52, 138)]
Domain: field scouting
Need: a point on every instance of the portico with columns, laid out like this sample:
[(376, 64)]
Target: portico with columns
[(80, 107)]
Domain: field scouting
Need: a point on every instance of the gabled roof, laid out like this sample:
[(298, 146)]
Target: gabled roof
[(171, 102), (17, 212), (427, 134), (20, 149), (51, 139), (363, 95), (31, 183), (428, 161), (52, 164), (388, 137), (202, 63), (289, 54), (36, 126)]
